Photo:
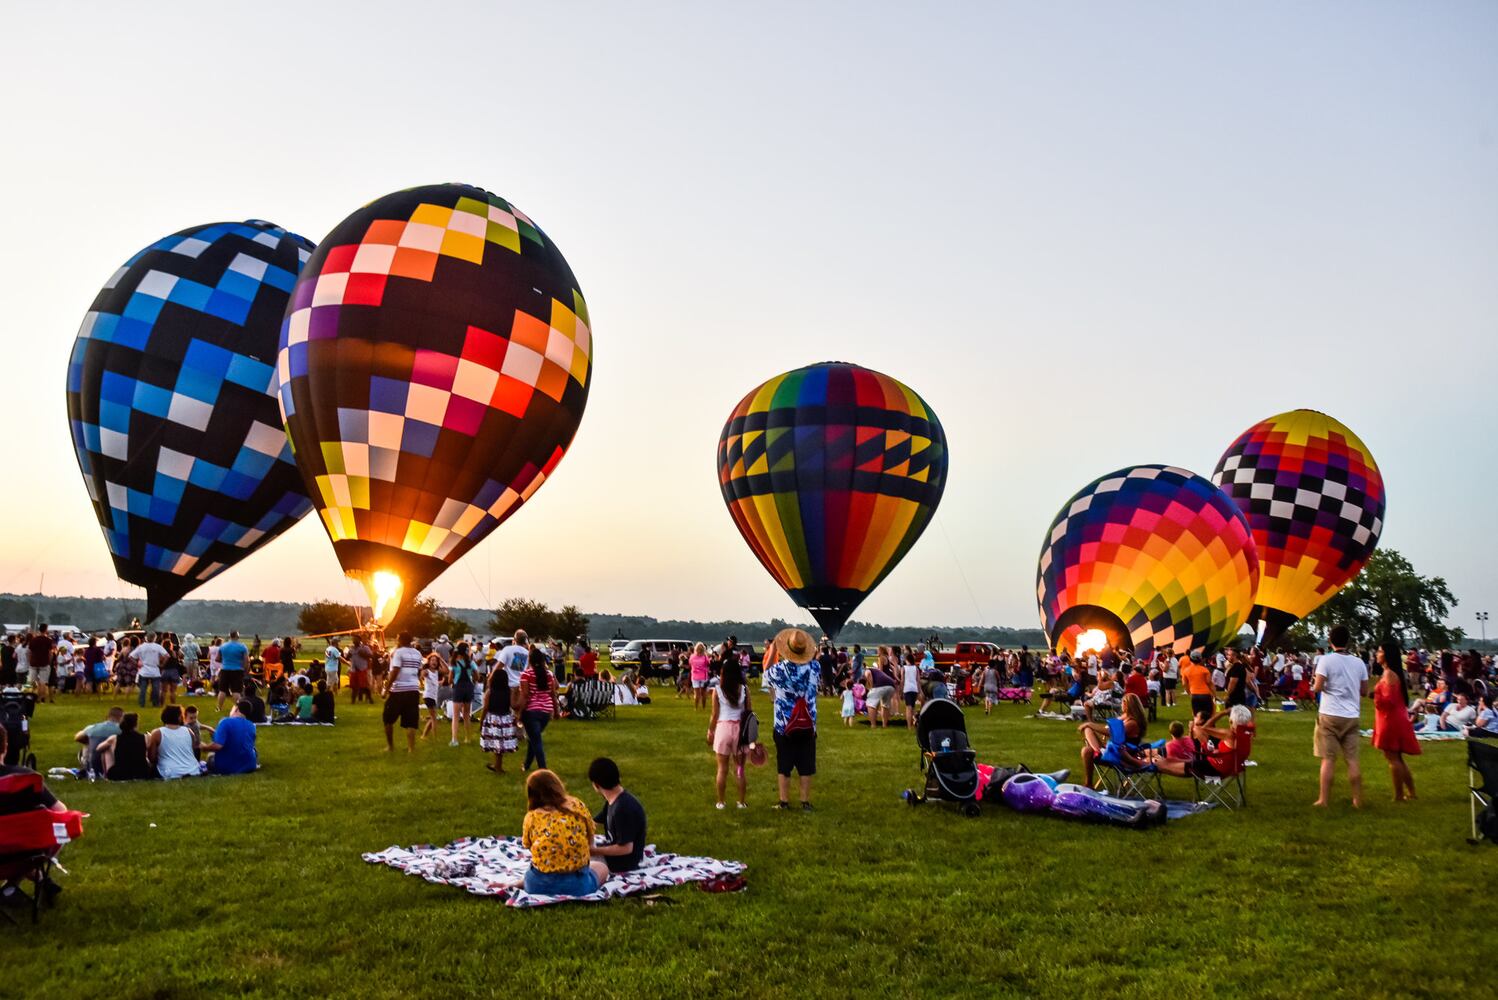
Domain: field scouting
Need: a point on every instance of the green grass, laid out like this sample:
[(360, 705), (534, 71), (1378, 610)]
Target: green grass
[(254, 885)]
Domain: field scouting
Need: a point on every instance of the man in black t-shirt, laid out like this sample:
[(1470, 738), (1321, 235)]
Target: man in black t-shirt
[(1237, 680), (622, 817)]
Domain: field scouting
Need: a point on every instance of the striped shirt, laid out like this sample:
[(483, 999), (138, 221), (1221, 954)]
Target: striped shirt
[(541, 699)]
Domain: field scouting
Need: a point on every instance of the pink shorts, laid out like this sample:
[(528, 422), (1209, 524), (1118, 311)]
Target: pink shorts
[(726, 739)]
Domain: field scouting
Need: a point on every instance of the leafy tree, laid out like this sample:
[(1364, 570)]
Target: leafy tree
[(423, 617), (569, 624), (321, 617), (523, 613), (1389, 600)]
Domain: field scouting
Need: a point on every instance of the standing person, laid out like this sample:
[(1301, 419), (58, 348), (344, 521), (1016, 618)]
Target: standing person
[(233, 657), (433, 676), (94, 671), (39, 659), (8, 671), (1236, 691), (538, 706), (1393, 733), (588, 662), (1170, 673), (360, 659), (497, 734), (515, 656), (443, 647), (463, 681), (730, 702), (148, 657), (911, 687), (402, 693), (333, 671), (191, 654), (1198, 680), (795, 678), (990, 687), (1342, 683), (171, 673), (881, 693), (272, 660), (698, 661)]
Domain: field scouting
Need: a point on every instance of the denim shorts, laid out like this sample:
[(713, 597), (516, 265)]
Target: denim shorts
[(579, 883)]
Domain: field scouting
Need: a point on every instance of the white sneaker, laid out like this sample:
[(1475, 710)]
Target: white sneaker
[(743, 805), (719, 806), (453, 743)]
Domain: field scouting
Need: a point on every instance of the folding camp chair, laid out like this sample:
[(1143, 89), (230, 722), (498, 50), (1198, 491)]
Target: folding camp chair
[(1231, 790), (1482, 783), (1120, 777), (30, 837)]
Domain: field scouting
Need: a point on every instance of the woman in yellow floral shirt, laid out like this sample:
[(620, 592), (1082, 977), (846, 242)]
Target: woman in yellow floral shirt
[(558, 832)]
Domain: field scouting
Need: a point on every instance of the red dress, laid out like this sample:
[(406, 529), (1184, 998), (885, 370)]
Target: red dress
[(1392, 729)]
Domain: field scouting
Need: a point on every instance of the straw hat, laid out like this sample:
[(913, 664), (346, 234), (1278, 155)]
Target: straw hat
[(796, 645)]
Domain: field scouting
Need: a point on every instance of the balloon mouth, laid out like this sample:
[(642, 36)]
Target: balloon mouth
[(385, 589), (1087, 629), (1093, 640)]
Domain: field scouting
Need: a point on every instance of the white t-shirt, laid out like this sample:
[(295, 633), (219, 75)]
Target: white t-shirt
[(513, 658), (1340, 697), (1459, 717), (1297, 672), (405, 664), (149, 655)]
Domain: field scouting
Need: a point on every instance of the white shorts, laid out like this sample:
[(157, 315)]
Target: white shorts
[(699, 684)]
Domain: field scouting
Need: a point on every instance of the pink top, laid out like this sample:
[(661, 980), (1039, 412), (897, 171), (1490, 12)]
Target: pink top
[(699, 666)]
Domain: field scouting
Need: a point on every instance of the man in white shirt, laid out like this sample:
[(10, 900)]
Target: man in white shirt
[(514, 658), (1342, 683), (148, 657)]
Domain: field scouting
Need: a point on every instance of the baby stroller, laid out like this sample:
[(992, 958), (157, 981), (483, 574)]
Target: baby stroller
[(16, 708), (947, 761)]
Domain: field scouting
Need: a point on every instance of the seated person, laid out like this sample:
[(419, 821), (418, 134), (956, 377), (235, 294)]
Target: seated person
[(1217, 762), (92, 736), (1180, 746), (322, 704), (623, 819), (233, 742), (124, 754), (642, 694), (1456, 717), (170, 748), (1120, 734), (257, 704), (301, 709), (1486, 724), (190, 721), (1073, 692), (279, 696), (558, 831)]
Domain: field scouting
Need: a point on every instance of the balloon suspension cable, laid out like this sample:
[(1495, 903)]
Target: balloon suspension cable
[(982, 620)]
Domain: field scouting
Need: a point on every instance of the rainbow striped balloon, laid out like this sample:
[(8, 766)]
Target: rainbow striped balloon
[(831, 473), (1152, 556), (1314, 499)]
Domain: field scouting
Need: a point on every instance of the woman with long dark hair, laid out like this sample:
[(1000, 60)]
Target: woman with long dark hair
[(538, 705), (730, 702), (1393, 733), (497, 734)]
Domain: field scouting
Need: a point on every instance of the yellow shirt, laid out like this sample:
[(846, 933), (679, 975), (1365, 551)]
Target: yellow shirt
[(559, 840)]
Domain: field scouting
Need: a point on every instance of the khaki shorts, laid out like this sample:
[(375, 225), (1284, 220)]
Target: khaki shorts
[(1336, 737)]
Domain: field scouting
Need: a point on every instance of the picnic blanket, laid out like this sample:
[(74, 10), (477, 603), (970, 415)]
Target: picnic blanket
[(1425, 735), (1057, 716), (496, 866)]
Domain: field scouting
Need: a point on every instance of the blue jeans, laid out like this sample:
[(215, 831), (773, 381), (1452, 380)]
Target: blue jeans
[(154, 683), (578, 883), (534, 722)]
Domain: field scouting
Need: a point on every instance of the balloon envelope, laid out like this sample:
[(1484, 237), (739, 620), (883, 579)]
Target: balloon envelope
[(1314, 499), (1154, 556), (831, 473), (172, 405), (435, 362)]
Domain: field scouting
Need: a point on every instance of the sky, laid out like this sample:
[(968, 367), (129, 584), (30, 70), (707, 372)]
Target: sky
[(1089, 235)]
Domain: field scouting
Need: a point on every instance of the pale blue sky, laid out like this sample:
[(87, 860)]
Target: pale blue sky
[(1088, 234)]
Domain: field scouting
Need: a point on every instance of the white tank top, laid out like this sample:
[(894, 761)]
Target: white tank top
[(174, 759), (726, 712)]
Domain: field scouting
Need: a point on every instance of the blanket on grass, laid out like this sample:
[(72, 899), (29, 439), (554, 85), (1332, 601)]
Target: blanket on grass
[(1056, 716), (496, 866), (1425, 735)]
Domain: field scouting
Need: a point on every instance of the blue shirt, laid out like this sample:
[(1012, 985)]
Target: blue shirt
[(237, 737), (792, 681), (232, 655)]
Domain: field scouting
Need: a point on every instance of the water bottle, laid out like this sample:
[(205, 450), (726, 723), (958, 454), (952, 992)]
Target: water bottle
[(946, 745)]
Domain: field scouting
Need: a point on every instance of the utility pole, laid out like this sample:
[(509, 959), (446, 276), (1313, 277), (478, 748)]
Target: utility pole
[(1482, 620)]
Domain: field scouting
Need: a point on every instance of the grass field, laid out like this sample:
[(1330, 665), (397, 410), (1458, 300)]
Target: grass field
[(254, 885)]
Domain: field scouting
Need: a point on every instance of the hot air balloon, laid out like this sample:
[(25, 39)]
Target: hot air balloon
[(1150, 556), (831, 473), (435, 360), (172, 405), (1315, 500)]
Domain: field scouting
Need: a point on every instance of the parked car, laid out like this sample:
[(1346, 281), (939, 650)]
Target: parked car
[(628, 655)]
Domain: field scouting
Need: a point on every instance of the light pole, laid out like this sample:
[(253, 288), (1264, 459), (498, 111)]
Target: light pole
[(1482, 619)]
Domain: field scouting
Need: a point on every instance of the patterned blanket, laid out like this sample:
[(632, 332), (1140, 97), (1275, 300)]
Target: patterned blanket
[(1425, 735), (496, 866)]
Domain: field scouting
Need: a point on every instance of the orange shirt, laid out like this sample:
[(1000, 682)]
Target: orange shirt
[(1197, 677)]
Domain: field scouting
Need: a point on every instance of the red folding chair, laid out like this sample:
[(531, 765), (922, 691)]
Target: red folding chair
[(30, 837)]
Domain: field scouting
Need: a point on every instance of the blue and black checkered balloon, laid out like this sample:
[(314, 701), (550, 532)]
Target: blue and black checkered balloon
[(172, 402)]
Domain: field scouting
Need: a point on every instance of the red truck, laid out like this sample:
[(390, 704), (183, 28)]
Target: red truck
[(967, 654)]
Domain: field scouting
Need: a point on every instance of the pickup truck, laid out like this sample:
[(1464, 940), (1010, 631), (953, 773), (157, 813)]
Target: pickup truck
[(968, 654)]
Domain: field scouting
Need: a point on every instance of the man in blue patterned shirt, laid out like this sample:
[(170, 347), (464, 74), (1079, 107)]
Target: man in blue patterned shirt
[(795, 678)]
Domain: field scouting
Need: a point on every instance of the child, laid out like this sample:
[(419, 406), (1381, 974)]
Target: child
[(280, 697), (848, 702), (432, 675), (497, 734), (1180, 746)]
